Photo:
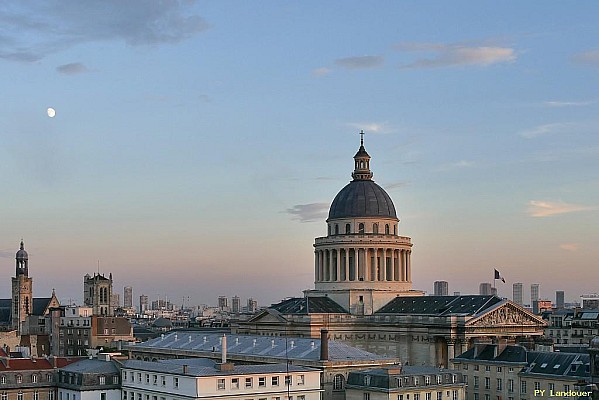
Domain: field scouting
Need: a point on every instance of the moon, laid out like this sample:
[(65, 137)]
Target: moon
[(51, 112)]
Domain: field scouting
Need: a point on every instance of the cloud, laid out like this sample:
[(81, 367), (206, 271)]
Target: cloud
[(456, 165), (394, 185), (372, 127), (449, 55), (569, 246), (72, 69), (567, 103), (7, 254), (309, 212), (360, 62), (538, 208), (31, 31), (589, 58), (322, 71), (544, 130)]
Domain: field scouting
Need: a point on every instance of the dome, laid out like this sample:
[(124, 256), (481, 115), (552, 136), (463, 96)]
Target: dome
[(22, 254), (362, 198)]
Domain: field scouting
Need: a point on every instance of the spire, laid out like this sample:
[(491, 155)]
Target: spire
[(362, 163), (22, 244)]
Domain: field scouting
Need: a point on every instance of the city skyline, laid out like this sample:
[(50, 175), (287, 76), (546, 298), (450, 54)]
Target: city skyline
[(195, 148)]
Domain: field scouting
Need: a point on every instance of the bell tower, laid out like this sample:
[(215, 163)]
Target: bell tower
[(22, 290)]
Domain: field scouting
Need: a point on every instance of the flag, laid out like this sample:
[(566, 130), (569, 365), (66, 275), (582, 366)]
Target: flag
[(498, 276)]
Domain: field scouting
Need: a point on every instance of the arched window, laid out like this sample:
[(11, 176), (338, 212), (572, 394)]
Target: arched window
[(361, 228), (338, 382), (375, 229), (19, 378), (347, 228), (3, 379), (336, 229), (386, 229)]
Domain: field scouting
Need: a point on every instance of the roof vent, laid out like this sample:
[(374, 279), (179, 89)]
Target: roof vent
[(272, 343), (162, 336), (292, 344), (205, 339), (189, 339), (254, 342)]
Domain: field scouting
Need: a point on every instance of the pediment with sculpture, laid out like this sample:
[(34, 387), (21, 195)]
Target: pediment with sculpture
[(506, 314)]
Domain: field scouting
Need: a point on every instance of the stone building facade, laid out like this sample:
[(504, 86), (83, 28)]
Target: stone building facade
[(97, 294), (363, 289)]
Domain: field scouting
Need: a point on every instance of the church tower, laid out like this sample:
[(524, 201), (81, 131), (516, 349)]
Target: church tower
[(97, 291), (22, 290), (363, 262)]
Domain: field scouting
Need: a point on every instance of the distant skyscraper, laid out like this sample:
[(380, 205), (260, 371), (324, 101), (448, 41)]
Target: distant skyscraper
[(485, 288), (559, 299), (223, 302), (534, 293), (441, 288), (517, 293), (236, 304), (252, 305), (128, 297), (115, 300), (143, 303), (534, 297)]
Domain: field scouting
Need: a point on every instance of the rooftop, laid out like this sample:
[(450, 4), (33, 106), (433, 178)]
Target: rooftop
[(439, 305)]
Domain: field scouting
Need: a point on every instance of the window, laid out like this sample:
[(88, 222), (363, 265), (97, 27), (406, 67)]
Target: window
[(537, 385), (336, 229), (235, 383), (487, 368), (510, 369), (361, 228), (148, 379), (428, 396), (115, 380), (439, 395), (5, 396), (301, 397), (20, 396), (124, 375), (499, 369), (523, 387), (139, 377), (487, 383), (19, 379), (220, 384), (476, 367), (347, 228), (476, 382), (102, 380), (454, 395), (386, 229), (36, 395), (439, 379), (338, 382), (124, 395), (288, 380), (50, 395), (34, 378), (427, 380), (465, 367), (155, 379), (300, 379), (367, 380), (274, 381), (454, 378), (262, 381), (375, 228), (176, 383), (366, 396), (499, 384), (416, 396), (552, 387), (487, 397), (510, 385), (3, 379), (163, 380), (248, 382), (416, 381), (476, 396), (103, 396)]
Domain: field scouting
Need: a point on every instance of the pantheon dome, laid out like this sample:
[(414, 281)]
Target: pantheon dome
[(363, 262)]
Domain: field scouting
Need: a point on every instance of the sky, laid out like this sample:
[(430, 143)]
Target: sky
[(197, 145)]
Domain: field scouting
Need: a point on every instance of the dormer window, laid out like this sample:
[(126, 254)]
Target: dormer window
[(361, 228), (347, 228), (386, 229)]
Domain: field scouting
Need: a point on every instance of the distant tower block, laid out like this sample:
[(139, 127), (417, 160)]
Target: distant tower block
[(143, 303), (485, 288), (559, 299), (97, 294), (517, 293), (128, 297), (441, 288), (236, 304)]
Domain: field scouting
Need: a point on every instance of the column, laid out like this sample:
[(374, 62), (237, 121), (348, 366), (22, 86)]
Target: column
[(371, 266), (450, 352), (408, 266), (402, 265), (344, 264), (316, 275), (332, 267), (338, 264)]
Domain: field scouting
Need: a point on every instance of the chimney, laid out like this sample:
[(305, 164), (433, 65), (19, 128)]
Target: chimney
[(224, 349), (324, 345), (500, 346)]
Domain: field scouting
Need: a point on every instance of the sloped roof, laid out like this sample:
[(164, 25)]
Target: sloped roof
[(308, 305), (439, 305), (40, 304), (511, 353), (93, 366), (255, 345)]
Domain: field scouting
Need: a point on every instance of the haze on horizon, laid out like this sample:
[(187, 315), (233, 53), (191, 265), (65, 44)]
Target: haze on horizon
[(196, 146)]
